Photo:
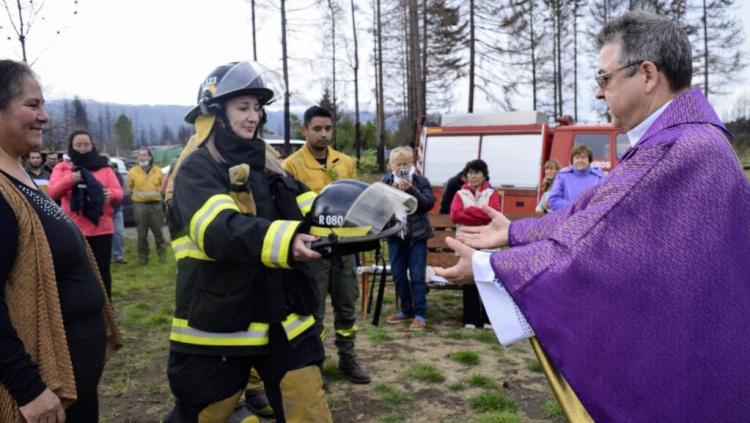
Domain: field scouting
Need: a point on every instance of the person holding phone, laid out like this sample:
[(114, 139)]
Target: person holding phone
[(408, 250)]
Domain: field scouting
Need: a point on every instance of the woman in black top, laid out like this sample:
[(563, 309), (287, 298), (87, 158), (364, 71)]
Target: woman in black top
[(81, 294)]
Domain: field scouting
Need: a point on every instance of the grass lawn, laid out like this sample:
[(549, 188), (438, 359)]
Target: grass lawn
[(443, 374)]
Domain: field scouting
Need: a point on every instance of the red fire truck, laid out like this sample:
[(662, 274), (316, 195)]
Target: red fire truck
[(515, 146)]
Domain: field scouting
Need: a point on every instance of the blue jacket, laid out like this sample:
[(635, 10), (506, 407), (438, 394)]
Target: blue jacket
[(570, 183)]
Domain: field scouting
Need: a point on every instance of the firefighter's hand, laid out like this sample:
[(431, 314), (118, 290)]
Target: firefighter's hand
[(44, 408), (300, 250), (494, 235), (462, 272)]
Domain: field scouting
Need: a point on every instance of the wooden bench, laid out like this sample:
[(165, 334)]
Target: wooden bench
[(438, 252)]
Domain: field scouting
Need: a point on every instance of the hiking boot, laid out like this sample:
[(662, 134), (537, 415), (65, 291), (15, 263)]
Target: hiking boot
[(396, 318), (257, 403), (417, 324), (353, 372)]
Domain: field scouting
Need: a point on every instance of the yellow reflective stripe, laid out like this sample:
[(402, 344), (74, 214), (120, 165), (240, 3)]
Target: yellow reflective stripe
[(323, 334), (305, 202), (345, 232), (296, 324), (347, 332), (276, 243), (206, 214), (184, 247), (256, 335)]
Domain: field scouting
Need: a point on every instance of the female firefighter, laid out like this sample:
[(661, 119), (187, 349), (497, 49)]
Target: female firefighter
[(244, 296)]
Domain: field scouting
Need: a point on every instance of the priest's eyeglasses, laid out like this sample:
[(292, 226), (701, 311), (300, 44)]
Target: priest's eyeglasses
[(603, 79)]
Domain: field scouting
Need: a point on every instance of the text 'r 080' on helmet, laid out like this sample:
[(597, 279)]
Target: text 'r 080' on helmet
[(231, 80), (350, 215)]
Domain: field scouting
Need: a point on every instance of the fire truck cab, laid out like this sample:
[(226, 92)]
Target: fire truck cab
[(515, 146)]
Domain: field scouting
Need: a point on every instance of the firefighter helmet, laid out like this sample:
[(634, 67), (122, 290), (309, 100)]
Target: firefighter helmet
[(232, 79), (352, 214)]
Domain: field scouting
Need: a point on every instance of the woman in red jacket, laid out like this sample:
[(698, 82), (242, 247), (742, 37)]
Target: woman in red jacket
[(466, 209), (88, 188)]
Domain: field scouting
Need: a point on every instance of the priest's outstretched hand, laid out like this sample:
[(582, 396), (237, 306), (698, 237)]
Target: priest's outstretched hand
[(493, 235), (462, 272)]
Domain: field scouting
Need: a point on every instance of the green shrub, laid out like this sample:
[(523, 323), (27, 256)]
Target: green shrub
[(392, 395), (481, 381), (424, 373), (490, 402), (469, 358)]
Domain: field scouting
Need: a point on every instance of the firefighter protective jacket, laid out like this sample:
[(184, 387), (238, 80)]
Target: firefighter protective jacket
[(304, 167), (235, 271), (145, 187)]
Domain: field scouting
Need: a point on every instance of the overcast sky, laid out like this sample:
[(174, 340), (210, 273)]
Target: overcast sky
[(158, 51)]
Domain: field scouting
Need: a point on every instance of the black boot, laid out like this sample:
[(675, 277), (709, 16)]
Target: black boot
[(353, 372)]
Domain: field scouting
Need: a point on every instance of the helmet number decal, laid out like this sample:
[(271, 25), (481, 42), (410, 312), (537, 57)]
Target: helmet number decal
[(330, 220)]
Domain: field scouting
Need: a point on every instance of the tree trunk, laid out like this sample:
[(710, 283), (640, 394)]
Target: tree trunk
[(424, 57), (381, 106), (357, 139), (705, 49), (532, 43), (21, 34), (575, 61), (255, 47), (334, 112), (471, 57), (414, 71), (284, 59)]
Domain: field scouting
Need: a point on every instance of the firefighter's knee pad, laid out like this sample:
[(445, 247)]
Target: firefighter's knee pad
[(304, 398)]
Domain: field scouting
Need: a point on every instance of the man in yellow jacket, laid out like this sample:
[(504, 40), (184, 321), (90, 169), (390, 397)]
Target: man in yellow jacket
[(316, 165), (144, 188)]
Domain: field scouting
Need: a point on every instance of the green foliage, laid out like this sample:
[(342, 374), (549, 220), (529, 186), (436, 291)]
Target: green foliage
[(552, 409), (456, 334), (379, 335), (534, 366), (368, 162), (392, 395), (481, 381), (424, 373), (486, 336), (123, 130), (334, 401), (499, 417), (332, 372), (295, 127), (469, 358), (491, 402), (456, 387), (393, 418)]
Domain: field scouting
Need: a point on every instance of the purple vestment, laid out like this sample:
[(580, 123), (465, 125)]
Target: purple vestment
[(640, 291)]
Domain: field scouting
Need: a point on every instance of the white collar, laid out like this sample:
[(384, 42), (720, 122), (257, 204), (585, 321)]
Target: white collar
[(635, 134)]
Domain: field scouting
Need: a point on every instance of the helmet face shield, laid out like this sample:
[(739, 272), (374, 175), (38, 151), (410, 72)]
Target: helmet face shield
[(377, 205), (351, 212)]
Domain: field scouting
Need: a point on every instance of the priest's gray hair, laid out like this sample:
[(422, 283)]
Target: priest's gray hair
[(645, 36)]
